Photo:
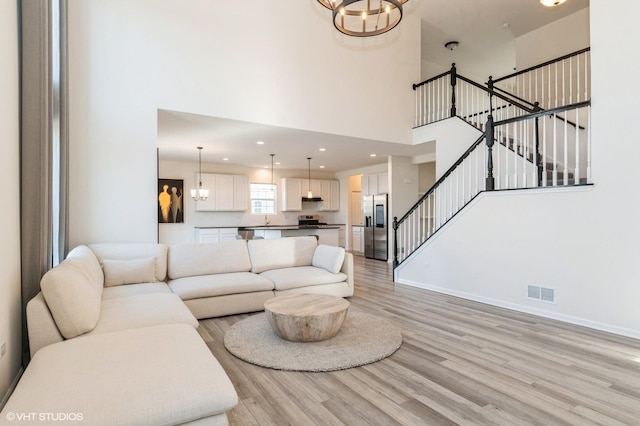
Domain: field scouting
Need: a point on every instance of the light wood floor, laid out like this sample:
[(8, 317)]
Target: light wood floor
[(461, 362)]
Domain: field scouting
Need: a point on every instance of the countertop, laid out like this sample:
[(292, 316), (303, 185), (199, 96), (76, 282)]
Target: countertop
[(281, 227), (289, 227)]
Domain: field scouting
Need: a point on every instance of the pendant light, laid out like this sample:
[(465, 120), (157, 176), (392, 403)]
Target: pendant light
[(273, 187), (199, 194), (309, 194)]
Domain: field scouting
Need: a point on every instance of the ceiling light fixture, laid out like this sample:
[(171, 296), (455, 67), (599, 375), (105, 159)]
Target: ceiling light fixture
[(357, 18), (552, 3), (309, 194), (452, 45), (200, 194)]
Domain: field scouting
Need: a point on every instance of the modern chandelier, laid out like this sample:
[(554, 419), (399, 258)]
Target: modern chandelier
[(200, 194), (364, 18)]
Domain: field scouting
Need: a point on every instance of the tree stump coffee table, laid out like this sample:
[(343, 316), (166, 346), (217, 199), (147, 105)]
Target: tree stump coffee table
[(306, 317)]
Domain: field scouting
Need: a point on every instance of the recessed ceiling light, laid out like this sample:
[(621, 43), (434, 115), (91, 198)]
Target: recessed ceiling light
[(260, 143), (323, 149), (225, 159), (322, 167), (372, 155), (551, 3), (277, 163)]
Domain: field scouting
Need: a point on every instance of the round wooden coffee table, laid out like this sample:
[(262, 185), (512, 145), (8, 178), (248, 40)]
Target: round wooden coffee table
[(306, 317)]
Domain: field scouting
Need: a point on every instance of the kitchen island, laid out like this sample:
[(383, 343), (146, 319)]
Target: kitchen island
[(326, 234)]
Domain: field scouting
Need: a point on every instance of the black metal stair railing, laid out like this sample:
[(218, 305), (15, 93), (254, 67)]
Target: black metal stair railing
[(546, 151), (525, 146)]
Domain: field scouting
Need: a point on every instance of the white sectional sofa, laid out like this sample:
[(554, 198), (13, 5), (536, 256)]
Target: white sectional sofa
[(113, 333)]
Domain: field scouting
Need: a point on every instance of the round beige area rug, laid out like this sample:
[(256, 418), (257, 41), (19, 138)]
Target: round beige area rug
[(362, 340)]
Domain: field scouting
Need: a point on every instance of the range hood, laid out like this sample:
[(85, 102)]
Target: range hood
[(311, 199)]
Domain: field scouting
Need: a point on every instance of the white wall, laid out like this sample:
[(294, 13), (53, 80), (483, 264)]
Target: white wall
[(278, 63), (452, 136), (584, 243), (184, 232), (566, 35), (10, 306)]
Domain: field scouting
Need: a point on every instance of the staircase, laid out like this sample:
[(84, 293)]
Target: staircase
[(524, 145)]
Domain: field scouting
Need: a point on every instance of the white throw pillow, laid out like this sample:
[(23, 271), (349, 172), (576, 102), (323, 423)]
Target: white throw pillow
[(119, 272), (328, 257)]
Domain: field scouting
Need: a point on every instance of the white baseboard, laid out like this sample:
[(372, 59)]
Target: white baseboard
[(11, 388), (526, 309)]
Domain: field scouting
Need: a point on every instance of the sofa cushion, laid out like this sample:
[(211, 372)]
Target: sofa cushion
[(134, 251), (329, 258), (134, 290), (281, 253), (219, 284), (73, 292), (188, 260), (302, 276), (136, 271), (145, 310), (158, 376)]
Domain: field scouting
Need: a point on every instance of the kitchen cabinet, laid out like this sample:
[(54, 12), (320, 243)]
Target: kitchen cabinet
[(291, 190), (383, 183), (375, 183), (328, 236), (316, 188), (330, 195), (214, 235), (208, 182), (226, 193), (240, 193), (357, 244), (295, 189)]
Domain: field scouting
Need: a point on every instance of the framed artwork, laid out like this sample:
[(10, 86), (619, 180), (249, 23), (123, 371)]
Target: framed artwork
[(170, 201)]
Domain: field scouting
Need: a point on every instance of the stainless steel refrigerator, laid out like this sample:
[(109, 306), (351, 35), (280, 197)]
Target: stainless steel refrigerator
[(375, 226)]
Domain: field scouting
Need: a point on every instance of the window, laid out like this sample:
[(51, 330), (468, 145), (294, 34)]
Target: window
[(263, 198)]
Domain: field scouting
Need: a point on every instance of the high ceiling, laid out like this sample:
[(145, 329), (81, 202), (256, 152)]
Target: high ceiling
[(484, 29)]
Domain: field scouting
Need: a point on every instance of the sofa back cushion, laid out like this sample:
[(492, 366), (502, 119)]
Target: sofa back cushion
[(73, 292), (188, 260), (133, 252), (281, 253), (135, 271), (329, 258)]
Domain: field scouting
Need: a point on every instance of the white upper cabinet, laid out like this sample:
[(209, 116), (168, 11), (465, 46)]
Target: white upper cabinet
[(240, 193), (208, 182), (330, 195), (226, 193), (291, 190), (376, 183)]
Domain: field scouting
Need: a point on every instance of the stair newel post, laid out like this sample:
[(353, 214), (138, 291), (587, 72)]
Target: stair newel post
[(490, 181), (395, 242), (536, 108), (453, 89)]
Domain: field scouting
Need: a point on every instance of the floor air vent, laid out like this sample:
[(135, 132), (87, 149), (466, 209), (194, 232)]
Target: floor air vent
[(541, 293)]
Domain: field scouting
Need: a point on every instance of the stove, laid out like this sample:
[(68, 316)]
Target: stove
[(310, 221)]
